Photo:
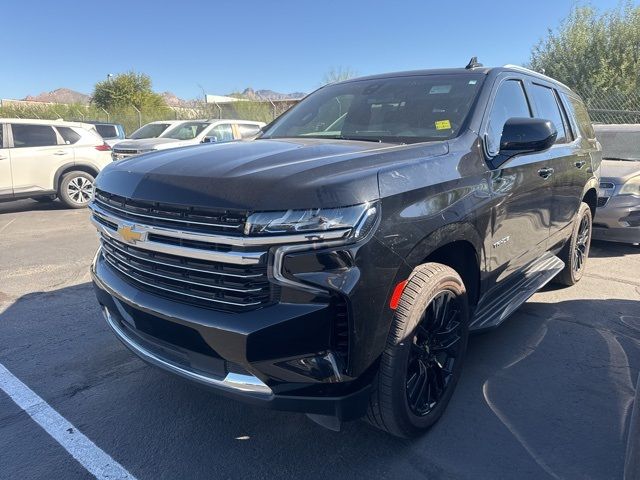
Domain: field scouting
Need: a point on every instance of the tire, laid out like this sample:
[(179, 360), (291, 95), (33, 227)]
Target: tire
[(393, 406), (75, 189), (576, 252), (45, 199)]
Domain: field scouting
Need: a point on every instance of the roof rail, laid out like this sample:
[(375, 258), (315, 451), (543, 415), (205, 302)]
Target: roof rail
[(533, 72)]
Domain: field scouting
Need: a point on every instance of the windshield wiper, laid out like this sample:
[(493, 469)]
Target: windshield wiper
[(622, 159)]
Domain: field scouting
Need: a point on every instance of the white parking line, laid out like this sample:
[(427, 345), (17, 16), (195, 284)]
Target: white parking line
[(87, 453)]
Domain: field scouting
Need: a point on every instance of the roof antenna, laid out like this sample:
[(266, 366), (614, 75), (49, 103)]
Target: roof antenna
[(473, 63)]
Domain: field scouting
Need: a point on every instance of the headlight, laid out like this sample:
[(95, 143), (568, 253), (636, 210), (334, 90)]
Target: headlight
[(359, 218), (632, 187)]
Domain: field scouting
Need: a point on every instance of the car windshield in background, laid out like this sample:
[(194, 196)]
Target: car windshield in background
[(186, 131), (396, 110), (151, 130), (620, 145)]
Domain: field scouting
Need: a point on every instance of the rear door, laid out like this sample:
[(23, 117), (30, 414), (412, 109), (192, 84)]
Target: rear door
[(36, 154), (522, 197), (6, 182), (567, 178)]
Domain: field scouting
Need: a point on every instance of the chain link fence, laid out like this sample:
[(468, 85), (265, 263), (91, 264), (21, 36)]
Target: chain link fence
[(612, 106), (132, 118)]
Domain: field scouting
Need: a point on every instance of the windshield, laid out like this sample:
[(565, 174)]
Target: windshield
[(619, 145), (150, 130), (397, 110), (186, 131)]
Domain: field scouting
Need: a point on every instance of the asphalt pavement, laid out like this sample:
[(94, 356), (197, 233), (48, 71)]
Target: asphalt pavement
[(549, 394)]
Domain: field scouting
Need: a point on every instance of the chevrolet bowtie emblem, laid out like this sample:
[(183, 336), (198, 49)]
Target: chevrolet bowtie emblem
[(128, 234)]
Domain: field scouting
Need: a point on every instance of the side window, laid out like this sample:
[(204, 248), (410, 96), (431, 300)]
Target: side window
[(222, 133), (548, 109), (248, 131), (69, 135), (107, 131), (578, 112), (33, 135), (510, 102)]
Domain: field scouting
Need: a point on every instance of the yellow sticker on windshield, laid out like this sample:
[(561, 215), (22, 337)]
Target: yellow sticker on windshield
[(443, 125)]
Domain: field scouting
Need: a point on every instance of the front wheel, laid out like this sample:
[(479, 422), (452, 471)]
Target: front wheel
[(76, 189), (423, 358), (576, 252)]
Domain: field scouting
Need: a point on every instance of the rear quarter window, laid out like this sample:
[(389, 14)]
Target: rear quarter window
[(69, 135), (579, 116), (107, 131)]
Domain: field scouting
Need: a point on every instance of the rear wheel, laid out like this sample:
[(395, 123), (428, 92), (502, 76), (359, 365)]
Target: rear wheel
[(423, 358), (75, 189), (576, 252)]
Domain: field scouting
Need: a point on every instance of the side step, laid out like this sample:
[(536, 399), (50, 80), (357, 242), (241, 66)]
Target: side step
[(491, 312)]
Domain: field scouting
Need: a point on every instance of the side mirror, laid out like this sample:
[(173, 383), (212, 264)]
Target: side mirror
[(212, 139), (524, 135)]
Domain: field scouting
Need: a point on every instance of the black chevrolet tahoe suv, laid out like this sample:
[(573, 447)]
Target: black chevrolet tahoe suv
[(336, 264)]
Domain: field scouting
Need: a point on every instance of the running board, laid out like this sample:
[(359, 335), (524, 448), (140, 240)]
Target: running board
[(494, 311)]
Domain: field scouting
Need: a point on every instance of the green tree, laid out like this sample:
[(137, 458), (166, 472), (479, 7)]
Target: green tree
[(338, 74), (593, 52), (127, 89)]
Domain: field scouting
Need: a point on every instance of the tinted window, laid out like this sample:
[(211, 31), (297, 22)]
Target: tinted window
[(107, 131), (579, 115), (33, 135), (510, 102), (548, 109), (222, 133), (186, 131), (151, 130), (69, 135), (248, 131), (400, 110), (619, 145)]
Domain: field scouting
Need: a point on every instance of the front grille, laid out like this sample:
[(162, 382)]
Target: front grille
[(340, 331), (125, 151), (173, 216), (602, 201), (211, 284)]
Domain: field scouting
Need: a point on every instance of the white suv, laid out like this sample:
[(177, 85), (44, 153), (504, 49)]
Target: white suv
[(190, 132), (45, 159)]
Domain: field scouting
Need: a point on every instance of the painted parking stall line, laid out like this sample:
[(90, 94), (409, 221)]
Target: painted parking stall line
[(87, 453)]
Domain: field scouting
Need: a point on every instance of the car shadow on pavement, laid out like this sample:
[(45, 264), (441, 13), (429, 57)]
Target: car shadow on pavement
[(548, 394), (27, 205), (602, 249)]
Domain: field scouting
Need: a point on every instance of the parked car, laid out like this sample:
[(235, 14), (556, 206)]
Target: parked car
[(45, 159), (339, 272), (618, 214), (153, 129), (112, 133), (188, 133)]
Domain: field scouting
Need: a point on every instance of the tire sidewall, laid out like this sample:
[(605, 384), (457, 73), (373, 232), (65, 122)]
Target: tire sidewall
[(64, 183), (408, 422), (583, 211)]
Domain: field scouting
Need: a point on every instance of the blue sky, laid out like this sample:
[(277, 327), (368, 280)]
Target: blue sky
[(280, 45)]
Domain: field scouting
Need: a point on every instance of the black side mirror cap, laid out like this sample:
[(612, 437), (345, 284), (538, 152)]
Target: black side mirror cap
[(524, 135)]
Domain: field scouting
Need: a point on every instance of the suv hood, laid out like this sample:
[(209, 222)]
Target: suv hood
[(618, 171), (146, 143), (262, 174)]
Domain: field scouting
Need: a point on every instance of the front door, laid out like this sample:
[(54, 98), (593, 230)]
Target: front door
[(6, 182), (521, 190), (35, 157)]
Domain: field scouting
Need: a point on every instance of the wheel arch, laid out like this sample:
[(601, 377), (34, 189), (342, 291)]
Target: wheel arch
[(458, 246), (73, 167)]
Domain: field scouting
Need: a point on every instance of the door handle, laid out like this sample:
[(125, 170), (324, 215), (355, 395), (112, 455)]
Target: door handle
[(581, 163), (61, 152), (546, 172)]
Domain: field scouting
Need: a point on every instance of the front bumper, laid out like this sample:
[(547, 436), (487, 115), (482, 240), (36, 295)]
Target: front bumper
[(618, 220), (278, 356)]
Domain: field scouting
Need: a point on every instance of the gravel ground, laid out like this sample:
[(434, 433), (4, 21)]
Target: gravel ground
[(547, 395)]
